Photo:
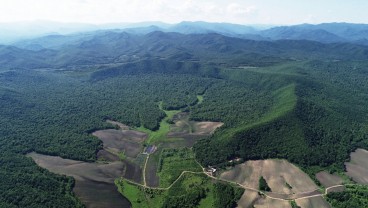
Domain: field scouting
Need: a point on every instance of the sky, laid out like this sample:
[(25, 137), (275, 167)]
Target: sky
[(271, 12)]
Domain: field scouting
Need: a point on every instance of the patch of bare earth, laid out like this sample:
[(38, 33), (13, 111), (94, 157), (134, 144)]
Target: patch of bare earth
[(94, 181), (127, 141), (357, 168), (120, 125), (285, 180), (278, 173), (206, 127), (248, 199), (183, 126), (314, 202), (265, 202), (328, 179)]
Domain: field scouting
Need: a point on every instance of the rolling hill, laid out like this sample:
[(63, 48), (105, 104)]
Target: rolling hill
[(297, 94)]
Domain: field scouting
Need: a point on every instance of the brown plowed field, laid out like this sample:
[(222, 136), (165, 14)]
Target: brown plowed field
[(127, 141), (357, 168), (328, 179), (94, 181)]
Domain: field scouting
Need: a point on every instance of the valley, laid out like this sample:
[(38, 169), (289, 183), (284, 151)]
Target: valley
[(167, 119)]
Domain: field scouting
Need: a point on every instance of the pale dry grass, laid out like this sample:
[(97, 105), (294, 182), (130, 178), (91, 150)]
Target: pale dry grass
[(315, 202), (276, 172), (357, 168), (271, 203), (328, 179)]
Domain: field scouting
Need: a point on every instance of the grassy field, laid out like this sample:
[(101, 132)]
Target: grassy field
[(200, 99), (154, 137), (173, 162), (284, 102), (191, 190), (133, 193)]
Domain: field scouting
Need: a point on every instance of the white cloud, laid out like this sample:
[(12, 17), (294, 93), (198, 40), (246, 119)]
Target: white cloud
[(236, 11), (102, 11)]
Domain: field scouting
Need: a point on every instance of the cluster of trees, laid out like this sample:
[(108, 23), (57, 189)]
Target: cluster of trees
[(55, 112), (226, 196), (188, 191), (263, 186), (352, 196), (326, 122), (23, 184)]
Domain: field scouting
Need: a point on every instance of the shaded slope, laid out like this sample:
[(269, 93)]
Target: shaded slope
[(312, 120)]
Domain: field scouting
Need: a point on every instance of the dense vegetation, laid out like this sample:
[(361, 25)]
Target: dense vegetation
[(226, 196), (313, 121), (263, 186), (173, 162), (294, 102), (191, 190), (353, 196), (25, 185)]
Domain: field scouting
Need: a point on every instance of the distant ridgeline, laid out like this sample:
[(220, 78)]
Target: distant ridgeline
[(299, 100)]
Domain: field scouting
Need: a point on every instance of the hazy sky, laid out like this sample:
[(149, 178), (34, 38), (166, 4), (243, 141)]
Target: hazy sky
[(172, 11)]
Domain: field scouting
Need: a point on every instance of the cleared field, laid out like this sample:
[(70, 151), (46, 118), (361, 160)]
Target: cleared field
[(315, 202), (152, 178), (94, 181), (267, 202), (284, 178), (99, 195), (183, 126), (127, 141), (206, 127), (357, 168), (120, 125), (105, 155), (328, 179), (248, 199)]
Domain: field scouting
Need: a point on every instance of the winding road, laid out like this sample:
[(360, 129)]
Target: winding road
[(286, 198)]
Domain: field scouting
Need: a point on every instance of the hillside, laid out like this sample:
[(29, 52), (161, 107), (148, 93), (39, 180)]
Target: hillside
[(300, 100)]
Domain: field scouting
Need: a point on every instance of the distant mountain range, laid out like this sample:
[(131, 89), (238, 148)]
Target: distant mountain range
[(116, 47), (38, 35)]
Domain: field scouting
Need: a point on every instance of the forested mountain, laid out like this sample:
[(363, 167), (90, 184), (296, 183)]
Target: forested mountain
[(111, 47), (301, 100), (325, 33)]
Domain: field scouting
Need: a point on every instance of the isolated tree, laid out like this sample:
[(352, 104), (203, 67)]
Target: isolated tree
[(263, 186)]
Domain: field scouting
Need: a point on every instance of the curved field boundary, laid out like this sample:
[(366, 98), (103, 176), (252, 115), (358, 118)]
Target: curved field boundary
[(242, 186), (165, 188)]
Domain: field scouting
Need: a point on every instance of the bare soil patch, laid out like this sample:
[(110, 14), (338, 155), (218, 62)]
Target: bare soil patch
[(279, 174), (99, 195), (268, 202), (248, 199), (94, 181), (328, 179), (120, 125), (133, 172), (314, 202), (127, 141), (183, 126), (107, 156), (357, 168), (151, 170), (206, 127)]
